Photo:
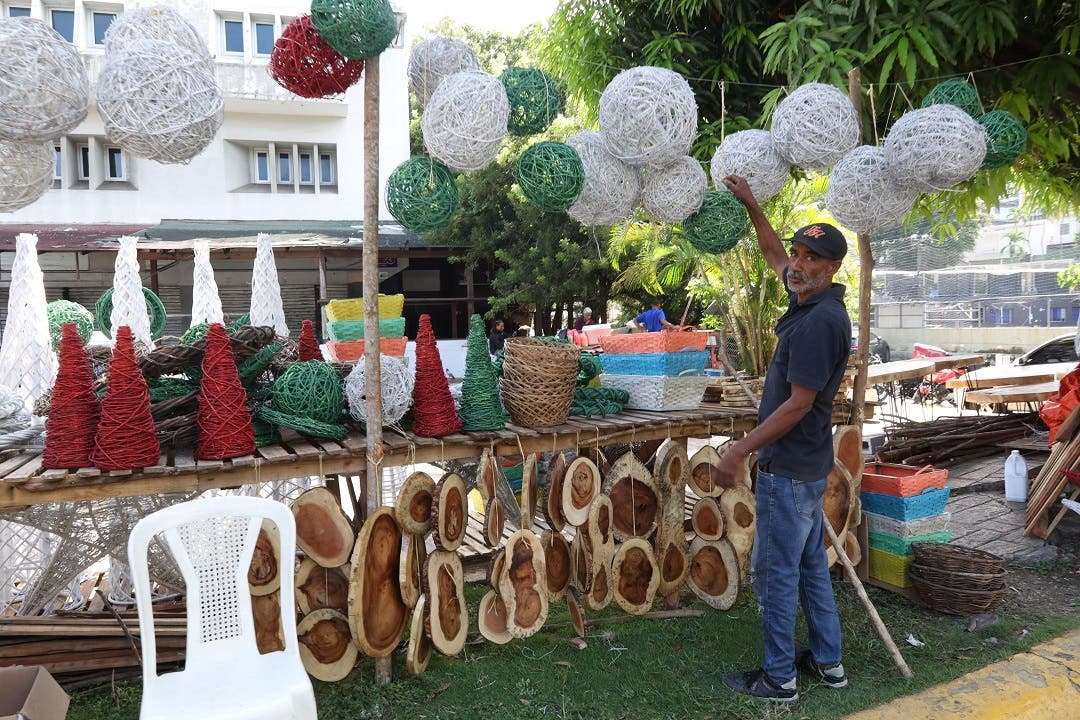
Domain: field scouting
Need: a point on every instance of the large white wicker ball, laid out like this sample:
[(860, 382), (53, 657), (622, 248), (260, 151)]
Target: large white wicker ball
[(397, 389), (814, 126), (465, 120), (675, 192), (433, 59), (155, 23), (44, 91), (862, 194), (648, 116), (612, 188), (934, 148), (159, 101), (753, 155), (26, 172)]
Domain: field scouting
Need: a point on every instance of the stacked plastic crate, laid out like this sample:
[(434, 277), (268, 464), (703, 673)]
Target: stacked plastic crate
[(660, 371), (345, 328)]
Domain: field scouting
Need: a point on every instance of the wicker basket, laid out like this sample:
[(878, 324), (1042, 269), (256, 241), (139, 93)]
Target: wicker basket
[(890, 568), (930, 502), (901, 480), (959, 580), (954, 601), (538, 382), (390, 306), (956, 558), (909, 529), (351, 351), (349, 330), (902, 546), (654, 342), (659, 392), (673, 363)]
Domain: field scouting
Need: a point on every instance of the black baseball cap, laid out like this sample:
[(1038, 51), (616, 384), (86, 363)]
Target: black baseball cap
[(824, 239)]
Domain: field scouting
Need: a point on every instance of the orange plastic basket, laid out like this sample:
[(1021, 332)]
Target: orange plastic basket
[(352, 350), (653, 342), (901, 480)]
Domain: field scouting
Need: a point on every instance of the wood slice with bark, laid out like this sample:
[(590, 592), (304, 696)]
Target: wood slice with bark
[(852, 548), (523, 584), (702, 468), (714, 573), (671, 468), (737, 506), (673, 560), (707, 520), (581, 485), (418, 653), (581, 561), (576, 610), (636, 576), (411, 567), (487, 475), (377, 613), (836, 504), (855, 514), (266, 612), (552, 505), (635, 503), (492, 619), (602, 459), (323, 531), (263, 573), (494, 522), (528, 492), (498, 559), (448, 616), (449, 512), (848, 450), (557, 563), (413, 507), (326, 645), (318, 587), (601, 589), (600, 530)]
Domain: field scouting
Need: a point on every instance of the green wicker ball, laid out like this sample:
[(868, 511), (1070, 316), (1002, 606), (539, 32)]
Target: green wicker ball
[(421, 194), (535, 99), (61, 312), (720, 223), (550, 175), (1005, 138), (310, 389), (955, 92), (154, 306), (355, 28), (194, 334)]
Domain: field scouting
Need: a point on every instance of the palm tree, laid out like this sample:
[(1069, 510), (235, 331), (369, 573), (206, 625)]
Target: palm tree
[(1016, 245)]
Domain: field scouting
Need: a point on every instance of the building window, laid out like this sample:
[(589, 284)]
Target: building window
[(63, 22), (234, 36), (326, 169), (261, 165), (284, 167), (84, 161), (1064, 231), (1057, 314), (305, 169), (264, 38), (16, 11), (99, 24), (116, 169), (1000, 316), (58, 165)]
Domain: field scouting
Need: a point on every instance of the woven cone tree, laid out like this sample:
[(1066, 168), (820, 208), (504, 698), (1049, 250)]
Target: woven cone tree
[(266, 307), (75, 410), (27, 360), (205, 301), (481, 408), (128, 301), (308, 347), (433, 406), (223, 419), (125, 437)]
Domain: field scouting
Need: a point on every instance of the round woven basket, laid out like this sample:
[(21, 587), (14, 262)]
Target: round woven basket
[(538, 382), (954, 601), (955, 558), (959, 580)]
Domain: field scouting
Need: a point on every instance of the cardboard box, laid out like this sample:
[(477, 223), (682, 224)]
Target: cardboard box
[(30, 692)]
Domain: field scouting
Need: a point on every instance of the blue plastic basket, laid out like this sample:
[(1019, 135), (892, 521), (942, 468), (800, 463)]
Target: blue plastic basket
[(925, 504), (691, 362)]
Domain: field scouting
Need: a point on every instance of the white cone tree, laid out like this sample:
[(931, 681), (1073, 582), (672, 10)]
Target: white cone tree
[(27, 361), (205, 301), (266, 307)]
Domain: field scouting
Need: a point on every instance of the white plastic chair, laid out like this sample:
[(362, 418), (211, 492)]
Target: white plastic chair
[(212, 541)]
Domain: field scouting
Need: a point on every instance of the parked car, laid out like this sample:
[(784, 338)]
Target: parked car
[(1060, 349), (879, 348)]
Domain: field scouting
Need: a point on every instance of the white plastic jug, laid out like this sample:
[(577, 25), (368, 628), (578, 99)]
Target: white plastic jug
[(1015, 477)]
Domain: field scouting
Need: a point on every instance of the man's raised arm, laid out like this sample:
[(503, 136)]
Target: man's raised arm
[(769, 242)]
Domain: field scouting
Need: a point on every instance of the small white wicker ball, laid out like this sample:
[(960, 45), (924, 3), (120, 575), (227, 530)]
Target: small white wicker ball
[(44, 90), (753, 155), (676, 192), (934, 148), (612, 188), (863, 196), (159, 101), (465, 121), (648, 116), (155, 23), (397, 389), (814, 126), (433, 59), (26, 172)]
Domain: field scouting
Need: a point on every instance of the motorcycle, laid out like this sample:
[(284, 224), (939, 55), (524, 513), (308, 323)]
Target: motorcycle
[(932, 388)]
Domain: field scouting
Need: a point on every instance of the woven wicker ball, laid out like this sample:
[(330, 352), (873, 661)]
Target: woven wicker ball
[(753, 155), (720, 223), (465, 121), (550, 175), (159, 101), (154, 307), (44, 91), (421, 194), (612, 188), (155, 23), (955, 92), (862, 195), (648, 116), (934, 148), (535, 99), (1006, 137), (674, 193), (26, 172), (434, 59), (396, 387), (61, 312), (355, 28), (309, 389), (814, 126), (305, 64)]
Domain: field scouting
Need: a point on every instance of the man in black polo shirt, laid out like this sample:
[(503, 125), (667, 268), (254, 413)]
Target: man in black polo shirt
[(793, 439)]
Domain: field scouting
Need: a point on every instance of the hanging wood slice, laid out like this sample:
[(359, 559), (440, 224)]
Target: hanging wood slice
[(581, 559), (498, 559), (448, 617), (523, 584), (581, 485), (418, 653), (751, 471), (326, 645), (852, 548), (492, 618), (600, 528), (707, 520), (322, 530), (263, 573), (737, 506), (449, 512), (600, 585), (413, 508), (646, 451), (714, 573), (673, 559), (411, 567), (855, 514), (494, 522), (602, 459), (636, 575), (487, 475), (557, 563), (837, 506), (377, 613), (266, 612), (702, 468), (848, 449), (553, 493), (635, 503), (672, 467), (528, 492), (576, 610), (318, 587)]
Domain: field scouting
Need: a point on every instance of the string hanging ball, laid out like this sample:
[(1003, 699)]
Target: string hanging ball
[(862, 194), (935, 148), (44, 90), (421, 194), (956, 92), (465, 121), (62, 312), (814, 126), (396, 388), (535, 100), (305, 64), (156, 309), (433, 59), (26, 172), (648, 116), (612, 189), (156, 23), (309, 389), (550, 175), (674, 193), (355, 28), (720, 223), (751, 154), (1006, 137)]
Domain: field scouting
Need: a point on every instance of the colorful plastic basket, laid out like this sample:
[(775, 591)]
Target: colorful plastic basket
[(890, 568), (902, 546), (390, 306), (901, 480), (687, 362), (351, 351), (925, 504), (348, 330), (909, 529), (659, 392), (653, 342)]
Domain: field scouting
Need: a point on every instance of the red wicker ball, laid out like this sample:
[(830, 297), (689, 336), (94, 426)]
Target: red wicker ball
[(305, 64)]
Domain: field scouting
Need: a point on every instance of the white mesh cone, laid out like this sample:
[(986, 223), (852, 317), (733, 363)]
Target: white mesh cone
[(205, 302), (27, 361), (266, 308), (128, 302)]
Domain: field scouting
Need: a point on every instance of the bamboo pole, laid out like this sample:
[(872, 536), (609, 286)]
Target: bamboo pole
[(866, 273)]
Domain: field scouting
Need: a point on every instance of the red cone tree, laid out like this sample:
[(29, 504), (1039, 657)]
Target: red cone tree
[(308, 346), (75, 410), (433, 406), (125, 437), (224, 421)]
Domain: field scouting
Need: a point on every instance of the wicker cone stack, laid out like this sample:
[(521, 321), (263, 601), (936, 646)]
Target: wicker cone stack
[(539, 378)]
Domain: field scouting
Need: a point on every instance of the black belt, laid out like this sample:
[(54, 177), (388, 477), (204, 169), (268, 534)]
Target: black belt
[(764, 467)]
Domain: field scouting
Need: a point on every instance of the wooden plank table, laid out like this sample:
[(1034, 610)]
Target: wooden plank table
[(1011, 375), (957, 361), (1012, 393), (899, 370)]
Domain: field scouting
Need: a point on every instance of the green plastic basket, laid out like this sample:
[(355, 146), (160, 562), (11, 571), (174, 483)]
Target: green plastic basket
[(350, 330), (901, 545)]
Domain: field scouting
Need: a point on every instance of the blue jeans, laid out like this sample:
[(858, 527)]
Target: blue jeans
[(789, 567)]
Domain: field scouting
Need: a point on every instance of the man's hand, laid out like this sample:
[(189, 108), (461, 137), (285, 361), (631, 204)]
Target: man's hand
[(740, 189), (732, 464)]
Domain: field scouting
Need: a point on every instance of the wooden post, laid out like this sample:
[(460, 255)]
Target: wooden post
[(470, 291), (153, 275), (866, 273)]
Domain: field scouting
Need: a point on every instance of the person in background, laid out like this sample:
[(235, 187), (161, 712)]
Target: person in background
[(585, 318), (654, 319), (498, 336)]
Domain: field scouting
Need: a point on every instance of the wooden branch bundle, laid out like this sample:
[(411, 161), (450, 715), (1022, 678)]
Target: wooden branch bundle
[(962, 438)]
